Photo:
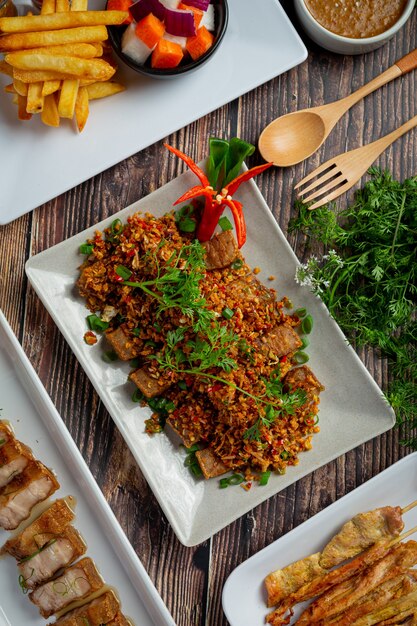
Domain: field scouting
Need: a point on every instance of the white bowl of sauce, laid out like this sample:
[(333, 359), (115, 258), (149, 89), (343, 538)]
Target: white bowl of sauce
[(352, 26)]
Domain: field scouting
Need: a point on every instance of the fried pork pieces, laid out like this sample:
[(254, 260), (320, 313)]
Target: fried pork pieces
[(47, 549), (223, 417)]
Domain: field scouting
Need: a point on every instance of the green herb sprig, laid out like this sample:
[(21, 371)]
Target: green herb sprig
[(368, 278)]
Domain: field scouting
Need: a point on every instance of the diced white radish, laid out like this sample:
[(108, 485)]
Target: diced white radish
[(134, 47), (181, 41), (170, 4), (208, 18)]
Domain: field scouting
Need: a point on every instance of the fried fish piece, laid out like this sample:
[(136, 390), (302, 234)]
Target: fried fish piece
[(33, 485), (76, 583)]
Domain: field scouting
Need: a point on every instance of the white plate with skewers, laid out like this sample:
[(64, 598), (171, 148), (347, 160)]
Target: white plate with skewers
[(244, 594)]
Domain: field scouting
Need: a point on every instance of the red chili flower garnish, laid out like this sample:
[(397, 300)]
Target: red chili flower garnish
[(215, 201)]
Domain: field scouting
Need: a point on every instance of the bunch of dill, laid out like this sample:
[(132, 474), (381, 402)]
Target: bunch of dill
[(368, 278)]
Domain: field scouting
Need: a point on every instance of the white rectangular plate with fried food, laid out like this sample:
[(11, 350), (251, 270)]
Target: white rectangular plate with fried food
[(396, 486), (50, 161), (36, 422), (352, 408)]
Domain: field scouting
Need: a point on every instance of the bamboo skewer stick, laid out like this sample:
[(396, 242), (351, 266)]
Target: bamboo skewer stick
[(409, 507), (405, 535)]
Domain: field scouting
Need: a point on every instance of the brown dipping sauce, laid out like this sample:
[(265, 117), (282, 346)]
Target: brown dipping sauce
[(356, 19)]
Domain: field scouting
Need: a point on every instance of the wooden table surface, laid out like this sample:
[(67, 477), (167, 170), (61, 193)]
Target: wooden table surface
[(190, 580)]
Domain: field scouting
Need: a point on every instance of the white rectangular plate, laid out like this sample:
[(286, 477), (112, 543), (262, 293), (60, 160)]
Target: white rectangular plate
[(396, 486), (36, 422), (352, 411), (40, 162)]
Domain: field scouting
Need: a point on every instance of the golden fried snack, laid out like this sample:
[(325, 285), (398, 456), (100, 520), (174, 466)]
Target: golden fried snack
[(68, 19), (34, 102), (68, 97), (24, 41), (104, 89), (72, 66), (81, 108), (50, 115)]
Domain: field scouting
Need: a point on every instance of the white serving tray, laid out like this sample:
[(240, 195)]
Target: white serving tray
[(24, 401), (39, 163), (396, 486), (352, 409)]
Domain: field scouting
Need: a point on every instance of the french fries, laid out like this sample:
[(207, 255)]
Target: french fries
[(55, 60), (24, 41), (54, 21)]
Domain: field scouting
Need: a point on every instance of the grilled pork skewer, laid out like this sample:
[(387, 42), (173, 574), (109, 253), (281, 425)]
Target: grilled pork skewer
[(359, 533), (399, 608), (76, 583), (342, 596), (102, 610), (57, 553), (390, 589), (284, 581), (33, 485), (322, 583), (49, 525)]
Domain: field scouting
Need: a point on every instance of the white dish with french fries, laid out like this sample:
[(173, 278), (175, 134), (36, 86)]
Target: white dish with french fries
[(52, 160), (396, 487)]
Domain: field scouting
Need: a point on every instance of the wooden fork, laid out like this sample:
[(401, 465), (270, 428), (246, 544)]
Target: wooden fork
[(340, 173)]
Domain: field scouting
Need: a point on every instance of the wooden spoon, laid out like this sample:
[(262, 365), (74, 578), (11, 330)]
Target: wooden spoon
[(293, 137)]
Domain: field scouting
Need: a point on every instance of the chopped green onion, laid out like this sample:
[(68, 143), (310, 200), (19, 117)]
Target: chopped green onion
[(284, 455), (264, 478), (187, 225), (227, 313), (137, 396), (95, 323), (116, 229), (109, 356), (136, 332), (182, 385), (307, 325), (86, 248), (301, 357), (47, 544), (225, 224), (194, 448), (123, 272), (237, 264), (236, 479), (196, 469), (150, 343), (224, 482), (300, 312), (305, 342), (2, 441)]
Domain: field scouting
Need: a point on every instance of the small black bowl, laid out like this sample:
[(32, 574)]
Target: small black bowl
[(221, 11)]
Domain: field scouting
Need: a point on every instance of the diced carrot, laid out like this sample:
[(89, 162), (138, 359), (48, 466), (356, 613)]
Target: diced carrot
[(200, 43), (166, 54), (198, 13), (121, 5), (150, 30)]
